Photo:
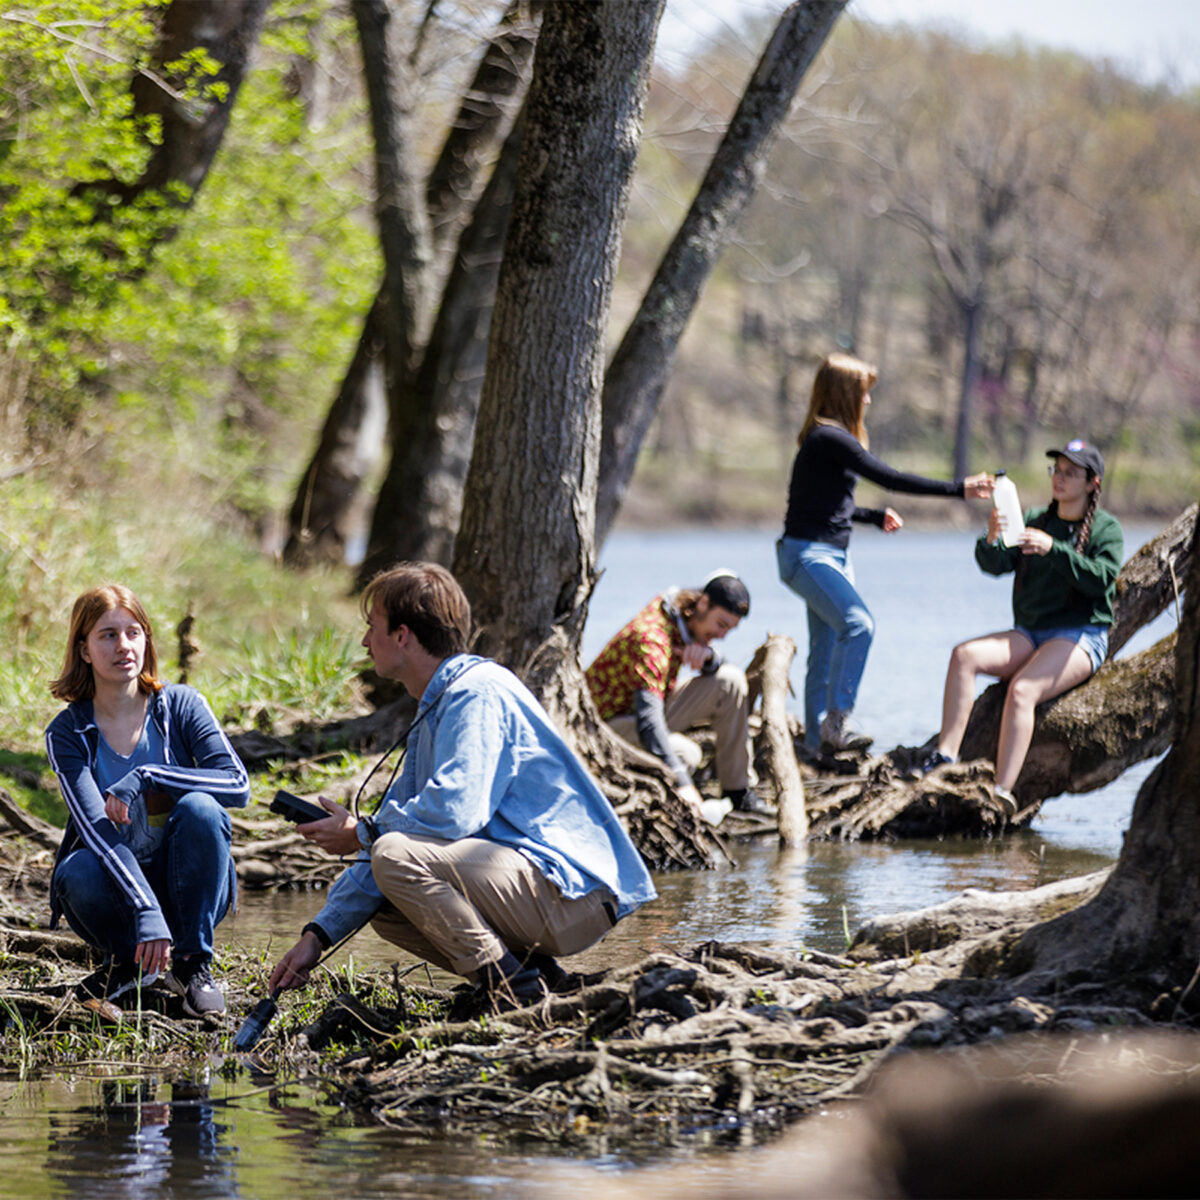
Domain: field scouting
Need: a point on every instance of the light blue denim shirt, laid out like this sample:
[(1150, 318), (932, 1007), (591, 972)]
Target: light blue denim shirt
[(484, 760)]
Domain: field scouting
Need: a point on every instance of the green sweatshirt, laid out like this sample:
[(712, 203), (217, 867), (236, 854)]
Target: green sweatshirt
[(1063, 588)]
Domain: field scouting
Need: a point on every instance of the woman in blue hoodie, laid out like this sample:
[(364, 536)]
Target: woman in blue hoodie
[(144, 872)]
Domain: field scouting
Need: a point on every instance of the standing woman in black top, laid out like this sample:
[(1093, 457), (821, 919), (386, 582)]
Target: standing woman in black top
[(814, 557)]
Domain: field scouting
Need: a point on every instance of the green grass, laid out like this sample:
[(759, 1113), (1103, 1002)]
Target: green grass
[(27, 777), (313, 676)]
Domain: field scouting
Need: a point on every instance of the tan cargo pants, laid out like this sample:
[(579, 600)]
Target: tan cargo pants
[(719, 699), (461, 904)]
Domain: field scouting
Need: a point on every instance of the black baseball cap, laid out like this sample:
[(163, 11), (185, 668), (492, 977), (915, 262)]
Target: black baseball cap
[(1082, 455), (725, 590)]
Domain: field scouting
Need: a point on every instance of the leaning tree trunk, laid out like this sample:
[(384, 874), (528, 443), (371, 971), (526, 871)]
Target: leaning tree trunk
[(189, 128), (525, 552), (404, 236), (1147, 915), (324, 507), (319, 520), (417, 511), (1122, 715), (635, 379), (323, 516)]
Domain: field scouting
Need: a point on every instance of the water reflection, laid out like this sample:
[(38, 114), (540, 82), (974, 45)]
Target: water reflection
[(135, 1139), (140, 1140), (809, 898)]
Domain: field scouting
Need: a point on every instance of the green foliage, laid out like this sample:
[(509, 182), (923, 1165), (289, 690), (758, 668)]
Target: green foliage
[(310, 676), (27, 778), (225, 340), (65, 118)]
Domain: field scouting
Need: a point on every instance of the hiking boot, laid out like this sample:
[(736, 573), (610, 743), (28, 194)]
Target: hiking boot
[(469, 1002), (747, 800), (510, 985), (838, 734), (555, 977), (192, 979), (112, 980), (550, 969)]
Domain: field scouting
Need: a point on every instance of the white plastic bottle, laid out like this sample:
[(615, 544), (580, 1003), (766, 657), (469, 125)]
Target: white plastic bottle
[(1008, 504)]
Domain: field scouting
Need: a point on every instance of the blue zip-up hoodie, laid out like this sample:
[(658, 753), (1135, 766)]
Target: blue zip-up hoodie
[(199, 759), (484, 760)]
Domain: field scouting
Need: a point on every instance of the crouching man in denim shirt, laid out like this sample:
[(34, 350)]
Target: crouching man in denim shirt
[(495, 851)]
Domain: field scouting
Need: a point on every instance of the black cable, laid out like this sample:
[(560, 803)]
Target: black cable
[(401, 743)]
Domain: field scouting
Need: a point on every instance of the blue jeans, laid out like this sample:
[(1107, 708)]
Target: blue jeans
[(190, 872), (840, 627)]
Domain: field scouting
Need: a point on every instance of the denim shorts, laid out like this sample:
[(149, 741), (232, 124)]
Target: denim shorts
[(1093, 639)]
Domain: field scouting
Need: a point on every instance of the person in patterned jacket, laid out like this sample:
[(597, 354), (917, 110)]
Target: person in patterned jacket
[(632, 682)]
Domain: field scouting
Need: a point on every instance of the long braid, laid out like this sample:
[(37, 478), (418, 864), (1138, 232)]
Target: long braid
[(1084, 532)]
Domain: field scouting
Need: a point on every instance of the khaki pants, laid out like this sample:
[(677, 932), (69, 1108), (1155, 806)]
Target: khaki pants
[(461, 904), (720, 700)]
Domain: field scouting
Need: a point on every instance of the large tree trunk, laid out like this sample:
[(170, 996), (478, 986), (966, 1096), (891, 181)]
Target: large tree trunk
[(525, 552), (639, 370), (332, 483), (1147, 916)]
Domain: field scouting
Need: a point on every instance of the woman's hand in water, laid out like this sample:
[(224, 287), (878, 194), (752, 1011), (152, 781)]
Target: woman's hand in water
[(979, 487)]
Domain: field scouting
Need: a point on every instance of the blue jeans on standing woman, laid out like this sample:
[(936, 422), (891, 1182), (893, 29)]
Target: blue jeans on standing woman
[(190, 872), (840, 627)]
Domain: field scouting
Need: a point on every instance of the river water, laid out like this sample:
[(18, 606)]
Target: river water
[(162, 1137)]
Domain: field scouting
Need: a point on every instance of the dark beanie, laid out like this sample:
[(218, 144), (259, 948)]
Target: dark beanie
[(727, 591)]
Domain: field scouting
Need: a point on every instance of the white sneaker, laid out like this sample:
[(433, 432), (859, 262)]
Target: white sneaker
[(1006, 800), (715, 811)]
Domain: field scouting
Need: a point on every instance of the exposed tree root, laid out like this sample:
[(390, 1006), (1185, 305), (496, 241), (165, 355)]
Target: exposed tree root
[(719, 1037)]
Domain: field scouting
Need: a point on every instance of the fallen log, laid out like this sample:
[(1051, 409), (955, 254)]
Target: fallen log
[(1152, 580), (25, 823)]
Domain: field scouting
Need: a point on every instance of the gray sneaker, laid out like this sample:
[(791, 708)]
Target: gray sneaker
[(192, 979), (838, 734)]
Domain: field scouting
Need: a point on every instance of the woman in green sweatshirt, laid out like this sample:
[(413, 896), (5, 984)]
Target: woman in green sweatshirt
[(1066, 565)]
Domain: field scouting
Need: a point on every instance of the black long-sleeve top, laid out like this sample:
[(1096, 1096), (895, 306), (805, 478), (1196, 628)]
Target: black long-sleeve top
[(821, 493)]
